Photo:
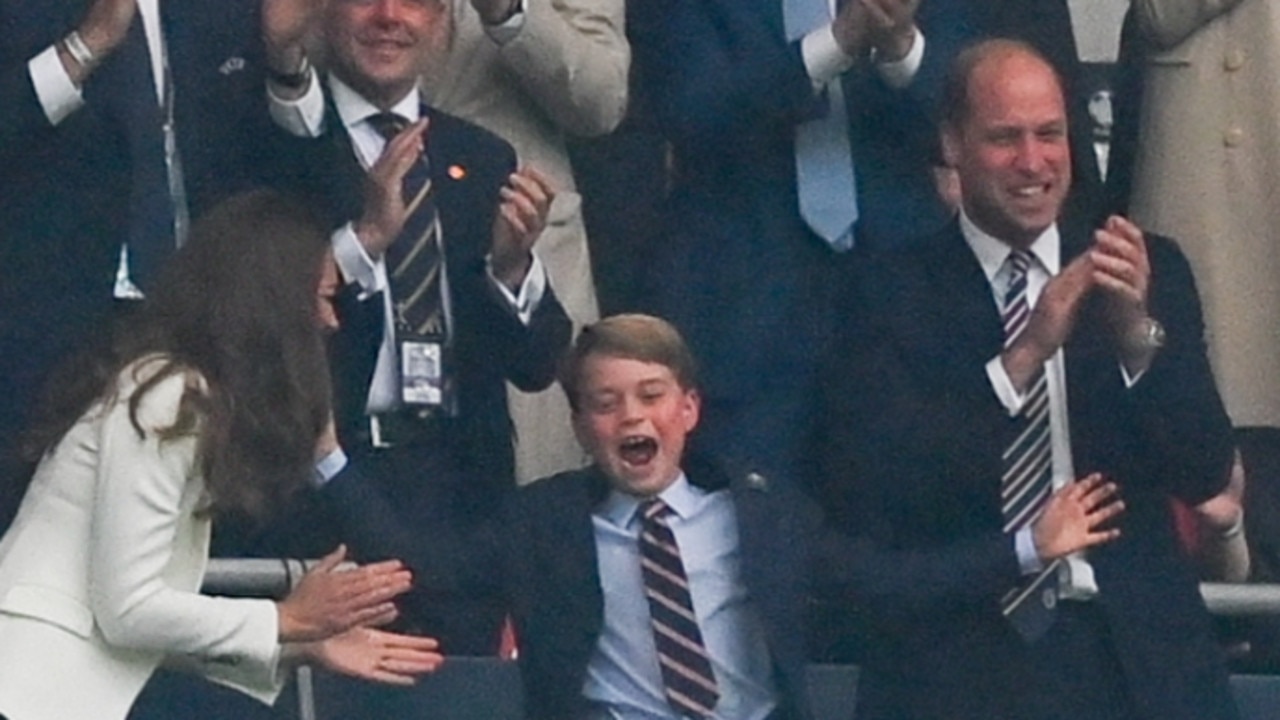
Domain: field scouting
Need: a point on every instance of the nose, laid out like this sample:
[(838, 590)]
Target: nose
[(387, 11), (1030, 157), (631, 409)]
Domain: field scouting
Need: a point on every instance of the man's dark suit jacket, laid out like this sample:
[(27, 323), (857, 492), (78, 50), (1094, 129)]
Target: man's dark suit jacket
[(466, 470), (915, 436), (64, 190), (540, 555), (750, 286)]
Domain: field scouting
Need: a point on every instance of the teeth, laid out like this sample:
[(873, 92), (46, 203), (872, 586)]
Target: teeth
[(1028, 191)]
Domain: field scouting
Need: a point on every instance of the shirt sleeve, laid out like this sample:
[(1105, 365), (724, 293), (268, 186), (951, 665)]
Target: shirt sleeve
[(528, 295), (303, 116), (59, 97)]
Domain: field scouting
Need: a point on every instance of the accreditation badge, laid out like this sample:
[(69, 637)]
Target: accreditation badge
[(422, 372)]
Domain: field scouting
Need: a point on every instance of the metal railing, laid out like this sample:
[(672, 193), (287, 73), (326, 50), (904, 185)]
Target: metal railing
[(274, 577)]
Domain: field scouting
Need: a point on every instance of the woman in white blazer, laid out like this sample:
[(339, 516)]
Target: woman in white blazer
[(209, 401)]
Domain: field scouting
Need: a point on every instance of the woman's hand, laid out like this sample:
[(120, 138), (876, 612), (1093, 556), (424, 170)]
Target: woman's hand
[(330, 600), (377, 655)]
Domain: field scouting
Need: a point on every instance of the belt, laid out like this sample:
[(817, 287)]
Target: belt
[(407, 426)]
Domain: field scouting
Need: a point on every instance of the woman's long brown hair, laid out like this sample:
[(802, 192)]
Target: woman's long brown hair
[(237, 305)]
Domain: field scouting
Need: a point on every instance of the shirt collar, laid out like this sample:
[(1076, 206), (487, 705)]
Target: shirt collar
[(681, 496), (354, 109), (992, 252)]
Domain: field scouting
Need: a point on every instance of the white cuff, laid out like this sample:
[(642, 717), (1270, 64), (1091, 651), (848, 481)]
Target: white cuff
[(58, 96), (899, 73), (329, 467), (1009, 396), (355, 264), (507, 30), (530, 293), (1024, 544), (823, 58), (302, 116)]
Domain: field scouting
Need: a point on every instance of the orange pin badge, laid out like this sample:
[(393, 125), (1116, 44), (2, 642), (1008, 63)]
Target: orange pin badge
[(457, 172)]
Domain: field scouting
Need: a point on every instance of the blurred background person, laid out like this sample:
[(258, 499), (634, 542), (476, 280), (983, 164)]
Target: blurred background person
[(1208, 160), (537, 73), (122, 120)]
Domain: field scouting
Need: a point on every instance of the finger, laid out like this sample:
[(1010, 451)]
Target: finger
[(524, 203), (513, 219), (546, 183), (399, 641), (878, 15), (1100, 536), (375, 616), (1123, 226), (330, 561), (1122, 288), (1102, 514), (1098, 495), (531, 190)]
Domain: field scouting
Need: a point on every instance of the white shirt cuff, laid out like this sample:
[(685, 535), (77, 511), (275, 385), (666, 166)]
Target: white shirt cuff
[(530, 292), (303, 116), (823, 58), (1009, 396), (329, 467), (58, 96), (355, 264), (507, 30), (1024, 544), (899, 73)]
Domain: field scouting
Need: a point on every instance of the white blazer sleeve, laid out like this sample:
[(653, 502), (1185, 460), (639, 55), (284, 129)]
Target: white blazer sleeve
[(149, 552)]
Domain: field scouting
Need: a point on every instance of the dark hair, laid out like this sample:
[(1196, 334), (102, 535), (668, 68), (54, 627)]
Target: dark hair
[(955, 106), (237, 306), (631, 337)]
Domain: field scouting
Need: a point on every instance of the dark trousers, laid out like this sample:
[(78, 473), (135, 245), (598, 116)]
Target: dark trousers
[(1080, 676)]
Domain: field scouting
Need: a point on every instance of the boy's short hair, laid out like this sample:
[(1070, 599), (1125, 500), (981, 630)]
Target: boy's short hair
[(630, 337)]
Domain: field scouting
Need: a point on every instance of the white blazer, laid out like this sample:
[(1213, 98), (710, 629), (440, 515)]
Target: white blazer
[(101, 570)]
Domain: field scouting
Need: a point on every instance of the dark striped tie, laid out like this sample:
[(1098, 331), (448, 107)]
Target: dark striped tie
[(414, 260), (1027, 479), (686, 669)]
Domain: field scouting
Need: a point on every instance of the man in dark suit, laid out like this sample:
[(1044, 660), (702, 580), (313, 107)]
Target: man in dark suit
[(86, 168), (568, 551), (1005, 356), (748, 274), (442, 460)]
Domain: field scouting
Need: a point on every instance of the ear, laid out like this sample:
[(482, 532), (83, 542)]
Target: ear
[(580, 430), (949, 136), (690, 410)]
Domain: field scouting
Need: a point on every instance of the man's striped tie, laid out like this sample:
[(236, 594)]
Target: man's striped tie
[(1027, 481), (686, 668), (414, 259)]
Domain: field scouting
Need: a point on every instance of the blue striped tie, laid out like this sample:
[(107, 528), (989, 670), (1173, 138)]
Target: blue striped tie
[(1026, 481), (687, 678)]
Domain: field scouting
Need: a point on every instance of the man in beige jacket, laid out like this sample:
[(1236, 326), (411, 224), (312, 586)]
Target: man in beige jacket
[(1207, 168), (534, 72)]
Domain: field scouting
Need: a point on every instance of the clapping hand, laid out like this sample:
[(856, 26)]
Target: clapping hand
[(330, 600)]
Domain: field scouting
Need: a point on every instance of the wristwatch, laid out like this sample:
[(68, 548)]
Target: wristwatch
[(1148, 334), (295, 80)]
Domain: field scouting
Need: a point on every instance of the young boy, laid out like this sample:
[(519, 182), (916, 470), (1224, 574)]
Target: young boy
[(658, 584)]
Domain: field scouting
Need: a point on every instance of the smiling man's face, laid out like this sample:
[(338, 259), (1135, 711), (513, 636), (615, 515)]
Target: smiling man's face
[(633, 417), (381, 47), (1011, 151)]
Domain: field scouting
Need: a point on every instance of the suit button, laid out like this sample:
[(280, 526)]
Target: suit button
[(1233, 137), (756, 481), (1233, 60), (1049, 597)]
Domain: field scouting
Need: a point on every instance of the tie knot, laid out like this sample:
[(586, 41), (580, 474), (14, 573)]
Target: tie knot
[(654, 510), (388, 124), (1019, 261)]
